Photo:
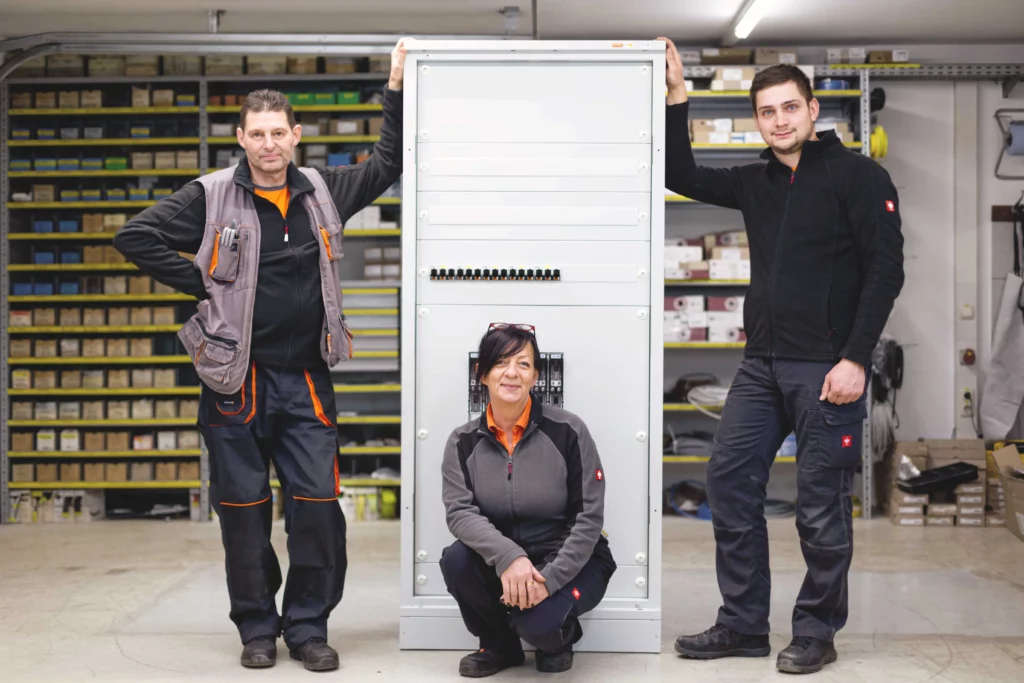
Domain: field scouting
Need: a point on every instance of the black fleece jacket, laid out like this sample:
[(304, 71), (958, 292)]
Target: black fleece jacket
[(826, 248), (289, 310)]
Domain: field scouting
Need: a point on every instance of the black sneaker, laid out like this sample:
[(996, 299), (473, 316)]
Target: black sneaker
[(260, 652), (487, 662), (806, 655), (719, 641), (316, 655), (554, 663)]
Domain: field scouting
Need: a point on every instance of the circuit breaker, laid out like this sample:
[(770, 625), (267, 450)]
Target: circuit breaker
[(533, 192)]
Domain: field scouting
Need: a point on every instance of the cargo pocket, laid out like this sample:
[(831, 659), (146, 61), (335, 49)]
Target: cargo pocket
[(841, 432), (222, 410), (212, 355), (225, 259), (332, 237)]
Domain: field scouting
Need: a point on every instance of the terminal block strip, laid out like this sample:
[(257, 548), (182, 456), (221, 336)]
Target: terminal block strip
[(549, 389), (493, 274)]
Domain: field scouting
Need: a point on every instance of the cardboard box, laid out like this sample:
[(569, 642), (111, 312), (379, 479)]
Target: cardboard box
[(880, 57), (744, 126), (164, 409), (140, 284), (166, 440), (142, 471), (165, 160), (905, 510), (142, 160), (116, 471), (71, 379), (20, 319), (47, 472), (117, 316), (142, 378), (188, 440), (301, 65), (114, 221), (46, 440), (69, 99), (45, 410), (163, 98), (166, 471), (46, 100), (141, 347), (44, 193), (70, 471), (22, 441), (1008, 460), (142, 409), (942, 510), (767, 56), (710, 138), (21, 100), (940, 521), (69, 410), (908, 520), (188, 471), (94, 442), (93, 471), (726, 55), (711, 125), (119, 379), (115, 284), (44, 379), (118, 441), (970, 499), (21, 348), (24, 472), (94, 348), (141, 97), (735, 73), (117, 410), (187, 159), (94, 379), (70, 317), (93, 410), (263, 65), (971, 521), (141, 315), (164, 315), (93, 317), (44, 317), (22, 410), (142, 442), (164, 378), (71, 348), (993, 519)]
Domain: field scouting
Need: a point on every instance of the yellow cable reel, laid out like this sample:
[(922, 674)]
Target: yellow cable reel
[(879, 143)]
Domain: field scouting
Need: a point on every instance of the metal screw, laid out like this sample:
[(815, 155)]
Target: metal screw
[(424, 272), (641, 582), (424, 135), (421, 556), (643, 217), (423, 215), (642, 315), (641, 558), (423, 313), (641, 436), (421, 579), (422, 434), (642, 274)]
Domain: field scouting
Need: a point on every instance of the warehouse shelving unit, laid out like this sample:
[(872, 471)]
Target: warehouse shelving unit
[(373, 372)]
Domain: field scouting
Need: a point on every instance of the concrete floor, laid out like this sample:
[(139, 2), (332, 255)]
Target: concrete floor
[(145, 601)]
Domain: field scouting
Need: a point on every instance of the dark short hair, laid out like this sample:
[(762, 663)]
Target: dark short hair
[(777, 75), (266, 100), (498, 344)]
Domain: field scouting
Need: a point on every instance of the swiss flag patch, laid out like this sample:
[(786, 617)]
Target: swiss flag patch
[(890, 205), (847, 441), (600, 475), (576, 593)]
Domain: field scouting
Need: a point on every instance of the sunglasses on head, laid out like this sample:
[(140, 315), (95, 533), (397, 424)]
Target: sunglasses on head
[(519, 326)]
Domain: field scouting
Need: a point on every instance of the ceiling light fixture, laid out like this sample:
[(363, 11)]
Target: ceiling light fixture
[(749, 16)]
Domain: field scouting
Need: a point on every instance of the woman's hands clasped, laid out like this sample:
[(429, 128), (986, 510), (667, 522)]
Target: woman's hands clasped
[(523, 585)]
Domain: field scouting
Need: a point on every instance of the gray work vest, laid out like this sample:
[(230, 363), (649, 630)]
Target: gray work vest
[(218, 336)]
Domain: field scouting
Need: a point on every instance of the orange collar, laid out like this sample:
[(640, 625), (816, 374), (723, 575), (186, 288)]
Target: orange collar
[(517, 429)]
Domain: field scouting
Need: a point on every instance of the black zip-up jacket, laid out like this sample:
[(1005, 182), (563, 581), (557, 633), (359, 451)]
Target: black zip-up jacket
[(289, 310), (826, 248)]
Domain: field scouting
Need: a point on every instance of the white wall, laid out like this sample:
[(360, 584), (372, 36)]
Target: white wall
[(918, 118)]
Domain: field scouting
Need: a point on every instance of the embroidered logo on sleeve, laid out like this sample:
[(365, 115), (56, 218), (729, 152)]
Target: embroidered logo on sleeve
[(600, 475), (890, 206), (847, 441), (576, 593)]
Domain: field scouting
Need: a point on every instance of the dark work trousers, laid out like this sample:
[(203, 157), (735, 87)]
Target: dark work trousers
[(768, 400), (552, 626), (287, 416)]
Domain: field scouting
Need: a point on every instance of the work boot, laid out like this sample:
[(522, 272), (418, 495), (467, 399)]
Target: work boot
[(487, 662), (806, 655), (316, 655), (719, 641), (554, 662), (260, 652)]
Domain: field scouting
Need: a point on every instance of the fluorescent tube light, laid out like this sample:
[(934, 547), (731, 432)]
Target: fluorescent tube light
[(751, 15)]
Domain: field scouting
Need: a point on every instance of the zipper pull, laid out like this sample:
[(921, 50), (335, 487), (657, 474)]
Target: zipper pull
[(286, 232), (792, 177), (510, 468), (328, 342)]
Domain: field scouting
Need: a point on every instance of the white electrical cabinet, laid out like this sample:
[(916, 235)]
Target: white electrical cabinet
[(533, 192)]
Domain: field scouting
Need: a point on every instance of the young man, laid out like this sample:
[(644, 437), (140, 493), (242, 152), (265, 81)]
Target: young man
[(269, 326), (826, 255)]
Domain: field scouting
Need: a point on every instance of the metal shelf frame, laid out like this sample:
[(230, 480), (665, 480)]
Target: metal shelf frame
[(22, 49)]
